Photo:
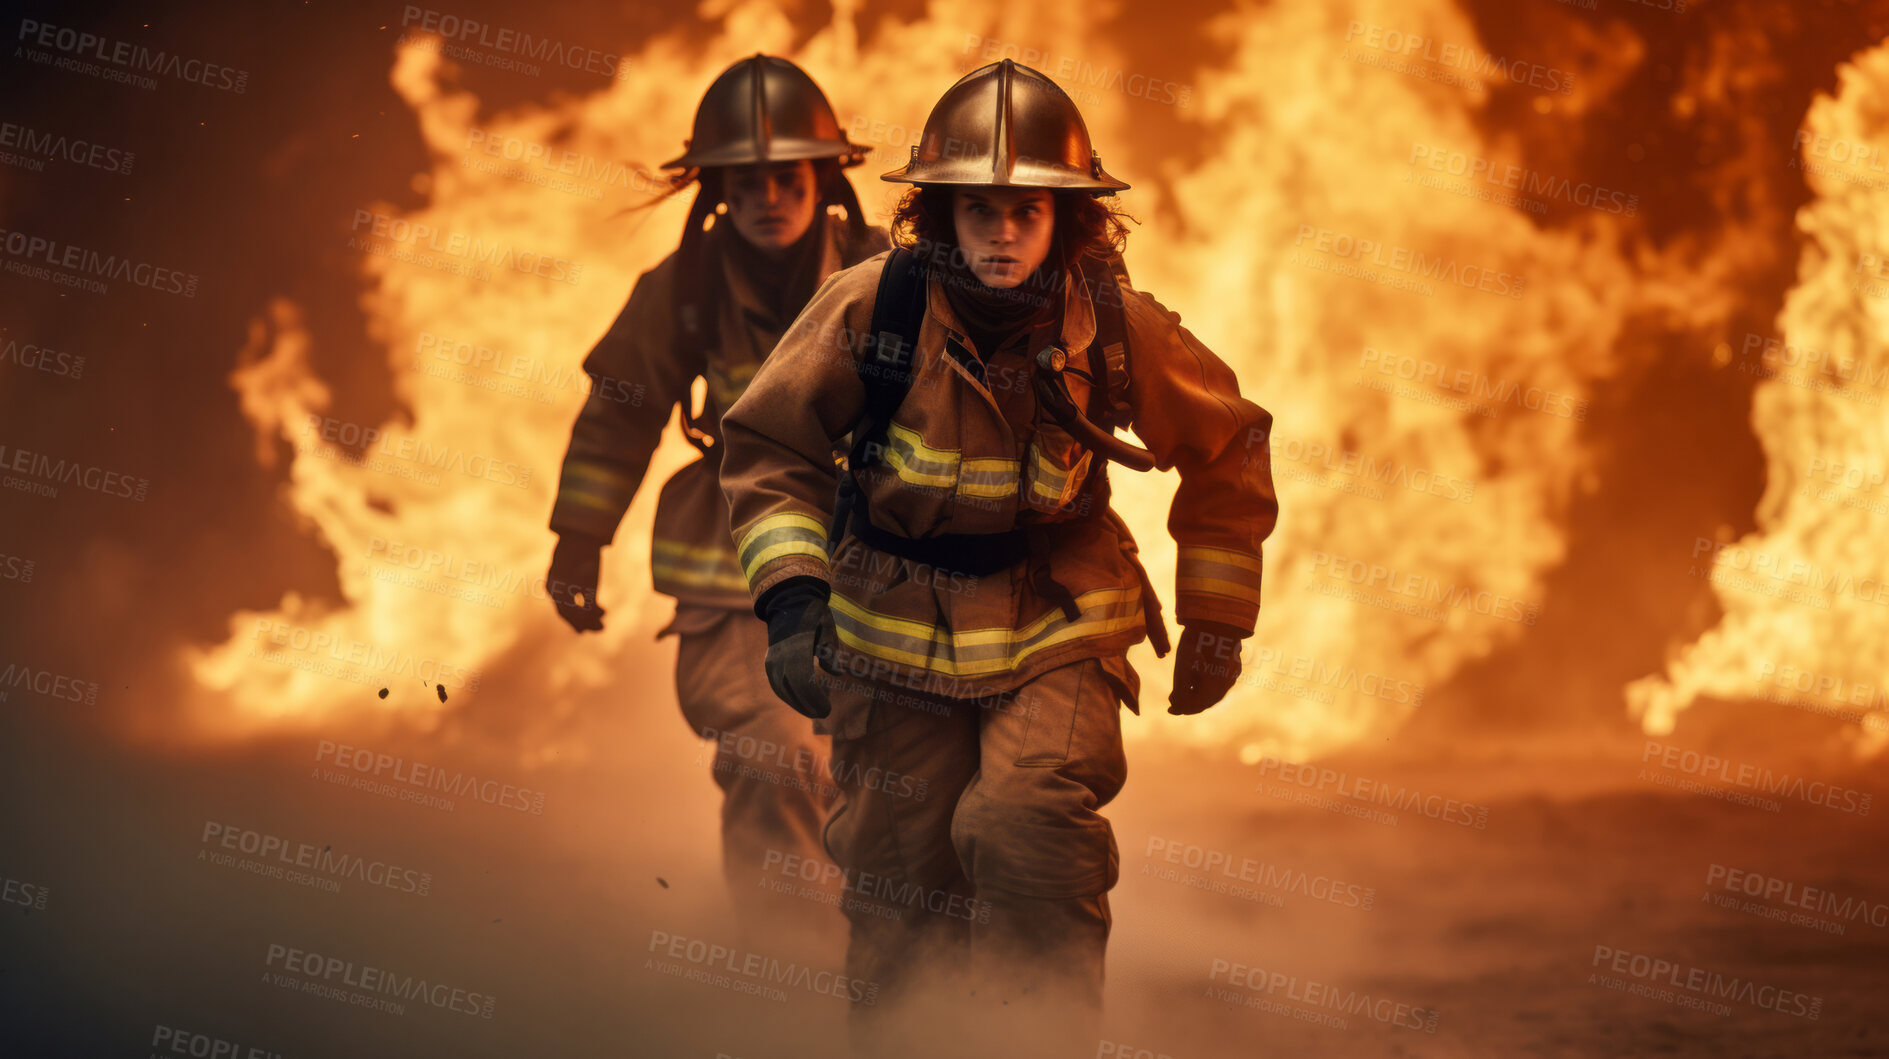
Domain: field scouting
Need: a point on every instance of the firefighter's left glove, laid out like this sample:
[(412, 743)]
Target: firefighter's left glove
[(576, 565), (1205, 665), (800, 642)]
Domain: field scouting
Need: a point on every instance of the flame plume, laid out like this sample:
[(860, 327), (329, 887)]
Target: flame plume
[(1291, 130), (1803, 594)]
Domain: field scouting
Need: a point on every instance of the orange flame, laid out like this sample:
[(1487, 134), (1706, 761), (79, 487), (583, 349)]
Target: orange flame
[(1293, 131), (1802, 596)]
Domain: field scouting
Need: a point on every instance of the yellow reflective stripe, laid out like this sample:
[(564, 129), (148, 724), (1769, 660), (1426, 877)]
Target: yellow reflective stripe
[(595, 472), (781, 521), (1218, 571), (1047, 481), (728, 383), (916, 442), (699, 552), (985, 667), (900, 626), (1217, 587), (589, 500), (1050, 483), (918, 463), (776, 536), (915, 475), (731, 581), (987, 478), (1201, 553), (995, 650), (698, 565), (595, 486), (781, 550)]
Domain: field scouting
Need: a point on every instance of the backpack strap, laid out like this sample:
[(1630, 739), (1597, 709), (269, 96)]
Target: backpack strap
[(898, 311), (1108, 353), (1109, 409), (695, 309), (885, 371)]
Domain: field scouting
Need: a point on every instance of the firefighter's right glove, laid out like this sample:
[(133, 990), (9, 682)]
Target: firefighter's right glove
[(1205, 665), (800, 642), (572, 581)]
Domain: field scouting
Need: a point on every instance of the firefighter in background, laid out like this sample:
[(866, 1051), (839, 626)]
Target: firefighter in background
[(767, 152), (971, 605)]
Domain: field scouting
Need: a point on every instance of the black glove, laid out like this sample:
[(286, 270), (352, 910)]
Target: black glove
[(1205, 665), (799, 631), (572, 582)]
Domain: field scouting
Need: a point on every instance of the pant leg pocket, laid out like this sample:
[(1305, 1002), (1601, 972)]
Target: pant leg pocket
[(851, 705), (1049, 705)]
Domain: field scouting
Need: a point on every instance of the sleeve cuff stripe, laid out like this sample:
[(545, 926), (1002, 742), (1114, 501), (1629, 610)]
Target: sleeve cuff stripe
[(1217, 587), (575, 498), (778, 551), (1197, 553)]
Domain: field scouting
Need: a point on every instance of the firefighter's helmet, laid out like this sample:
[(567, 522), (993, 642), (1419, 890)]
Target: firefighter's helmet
[(1006, 125), (764, 109)]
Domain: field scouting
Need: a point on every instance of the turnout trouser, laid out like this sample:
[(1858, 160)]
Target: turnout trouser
[(976, 862), (773, 772)]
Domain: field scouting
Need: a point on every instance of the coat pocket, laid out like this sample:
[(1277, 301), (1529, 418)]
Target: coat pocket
[(1054, 470), (914, 482)]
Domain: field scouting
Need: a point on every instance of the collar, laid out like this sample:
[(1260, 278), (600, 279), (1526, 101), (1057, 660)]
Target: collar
[(748, 302), (1078, 315)]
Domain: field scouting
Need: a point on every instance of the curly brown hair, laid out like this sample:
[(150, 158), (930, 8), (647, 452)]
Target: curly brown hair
[(1086, 226)]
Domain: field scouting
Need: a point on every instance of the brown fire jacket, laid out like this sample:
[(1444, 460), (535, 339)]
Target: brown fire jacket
[(639, 374), (969, 451)]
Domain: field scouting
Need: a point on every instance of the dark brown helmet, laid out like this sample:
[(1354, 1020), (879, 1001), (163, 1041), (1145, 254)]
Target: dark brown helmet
[(1006, 125), (765, 109)]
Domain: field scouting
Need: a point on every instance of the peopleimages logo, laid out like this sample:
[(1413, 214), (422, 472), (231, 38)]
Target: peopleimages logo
[(1267, 874), (41, 145), (1408, 261), (38, 358), (423, 776), (1474, 61), (1479, 171), (132, 57), (1699, 984), (1283, 993), (45, 474), (36, 254), (473, 249), (46, 683), (1809, 899), (755, 971), (333, 977), (1755, 778), (470, 32), (275, 855), (1374, 792)]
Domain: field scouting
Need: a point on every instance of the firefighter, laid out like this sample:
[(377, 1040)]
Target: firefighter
[(767, 153), (960, 626)]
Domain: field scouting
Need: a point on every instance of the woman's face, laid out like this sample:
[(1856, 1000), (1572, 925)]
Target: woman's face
[(1004, 232), (771, 204)]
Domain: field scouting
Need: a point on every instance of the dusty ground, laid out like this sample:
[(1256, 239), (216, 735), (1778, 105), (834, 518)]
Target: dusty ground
[(1494, 929)]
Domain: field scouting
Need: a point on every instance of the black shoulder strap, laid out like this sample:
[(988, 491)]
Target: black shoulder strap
[(885, 371), (1108, 353), (695, 312)]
